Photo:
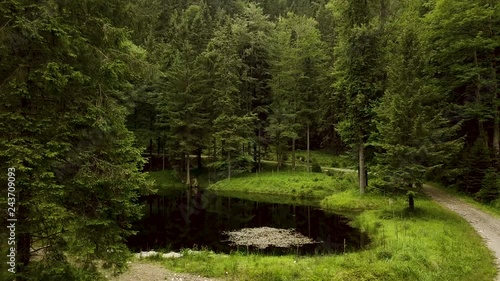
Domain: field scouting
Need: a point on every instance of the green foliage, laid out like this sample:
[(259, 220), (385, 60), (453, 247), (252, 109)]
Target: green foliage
[(404, 246), (474, 166), (490, 187), (62, 93), (412, 134), (315, 168), (301, 184)]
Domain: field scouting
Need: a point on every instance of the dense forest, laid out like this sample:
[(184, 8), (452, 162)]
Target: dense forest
[(409, 89)]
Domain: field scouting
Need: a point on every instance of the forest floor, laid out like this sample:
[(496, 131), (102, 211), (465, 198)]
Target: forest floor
[(150, 271), (486, 225)]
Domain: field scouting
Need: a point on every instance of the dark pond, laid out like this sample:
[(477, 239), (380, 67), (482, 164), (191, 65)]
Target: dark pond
[(197, 220)]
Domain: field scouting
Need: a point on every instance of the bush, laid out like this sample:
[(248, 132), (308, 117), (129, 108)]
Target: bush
[(315, 168), (490, 186)]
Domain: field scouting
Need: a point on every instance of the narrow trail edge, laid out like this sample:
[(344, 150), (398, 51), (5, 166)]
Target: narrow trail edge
[(485, 224)]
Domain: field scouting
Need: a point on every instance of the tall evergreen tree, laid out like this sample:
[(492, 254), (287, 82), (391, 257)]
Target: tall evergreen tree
[(358, 76), (252, 29), (464, 37), (63, 91), (298, 64), (231, 126), (412, 133)]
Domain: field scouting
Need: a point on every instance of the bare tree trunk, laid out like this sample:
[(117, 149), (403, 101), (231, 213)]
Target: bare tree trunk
[(188, 172), (150, 154), (23, 239), (215, 149), (308, 152), (254, 167), (229, 165), (163, 160), (496, 128), (482, 132), (362, 175), (198, 157), (259, 153), (278, 156), (293, 154)]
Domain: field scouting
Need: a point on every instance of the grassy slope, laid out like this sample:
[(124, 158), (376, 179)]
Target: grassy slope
[(430, 244), (323, 157), (301, 184)]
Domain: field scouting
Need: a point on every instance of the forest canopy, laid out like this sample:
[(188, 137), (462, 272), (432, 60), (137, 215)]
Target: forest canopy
[(410, 89)]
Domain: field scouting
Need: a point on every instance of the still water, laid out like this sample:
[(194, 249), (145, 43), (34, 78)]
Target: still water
[(197, 220)]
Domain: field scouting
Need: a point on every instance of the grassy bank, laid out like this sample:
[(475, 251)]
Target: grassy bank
[(301, 184), (430, 243), (323, 157), (165, 181)]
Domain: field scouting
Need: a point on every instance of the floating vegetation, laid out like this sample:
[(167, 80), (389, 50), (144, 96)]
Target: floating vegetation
[(263, 237)]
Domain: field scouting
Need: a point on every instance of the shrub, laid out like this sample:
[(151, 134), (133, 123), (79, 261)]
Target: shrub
[(315, 168), (490, 186)]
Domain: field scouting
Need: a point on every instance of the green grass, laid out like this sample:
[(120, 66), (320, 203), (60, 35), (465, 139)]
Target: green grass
[(324, 158), (430, 243), (492, 209), (301, 184), (166, 181), (327, 159)]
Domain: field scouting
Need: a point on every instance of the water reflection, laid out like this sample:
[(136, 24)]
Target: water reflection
[(196, 219)]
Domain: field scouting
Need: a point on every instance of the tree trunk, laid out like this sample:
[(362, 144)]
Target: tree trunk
[(198, 158), (496, 128), (215, 149), (23, 238), (308, 152), (482, 132), (362, 175), (223, 151), (254, 167), (163, 160), (411, 202), (278, 156), (150, 153), (229, 165), (293, 154), (188, 172), (259, 153)]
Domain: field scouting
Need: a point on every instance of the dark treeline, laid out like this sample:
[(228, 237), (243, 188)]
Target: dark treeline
[(408, 87)]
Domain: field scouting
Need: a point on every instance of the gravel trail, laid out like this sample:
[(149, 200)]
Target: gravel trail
[(142, 271), (485, 224)]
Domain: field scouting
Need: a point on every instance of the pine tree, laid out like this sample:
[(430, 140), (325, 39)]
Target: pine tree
[(63, 91), (412, 133), (231, 125), (297, 66), (358, 76), (464, 37)]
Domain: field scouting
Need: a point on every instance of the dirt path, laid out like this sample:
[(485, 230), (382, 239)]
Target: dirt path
[(486, 225), (142, 271)]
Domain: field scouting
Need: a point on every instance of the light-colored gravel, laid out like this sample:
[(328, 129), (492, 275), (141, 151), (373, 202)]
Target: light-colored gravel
[(149, 271), (486, 225)]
